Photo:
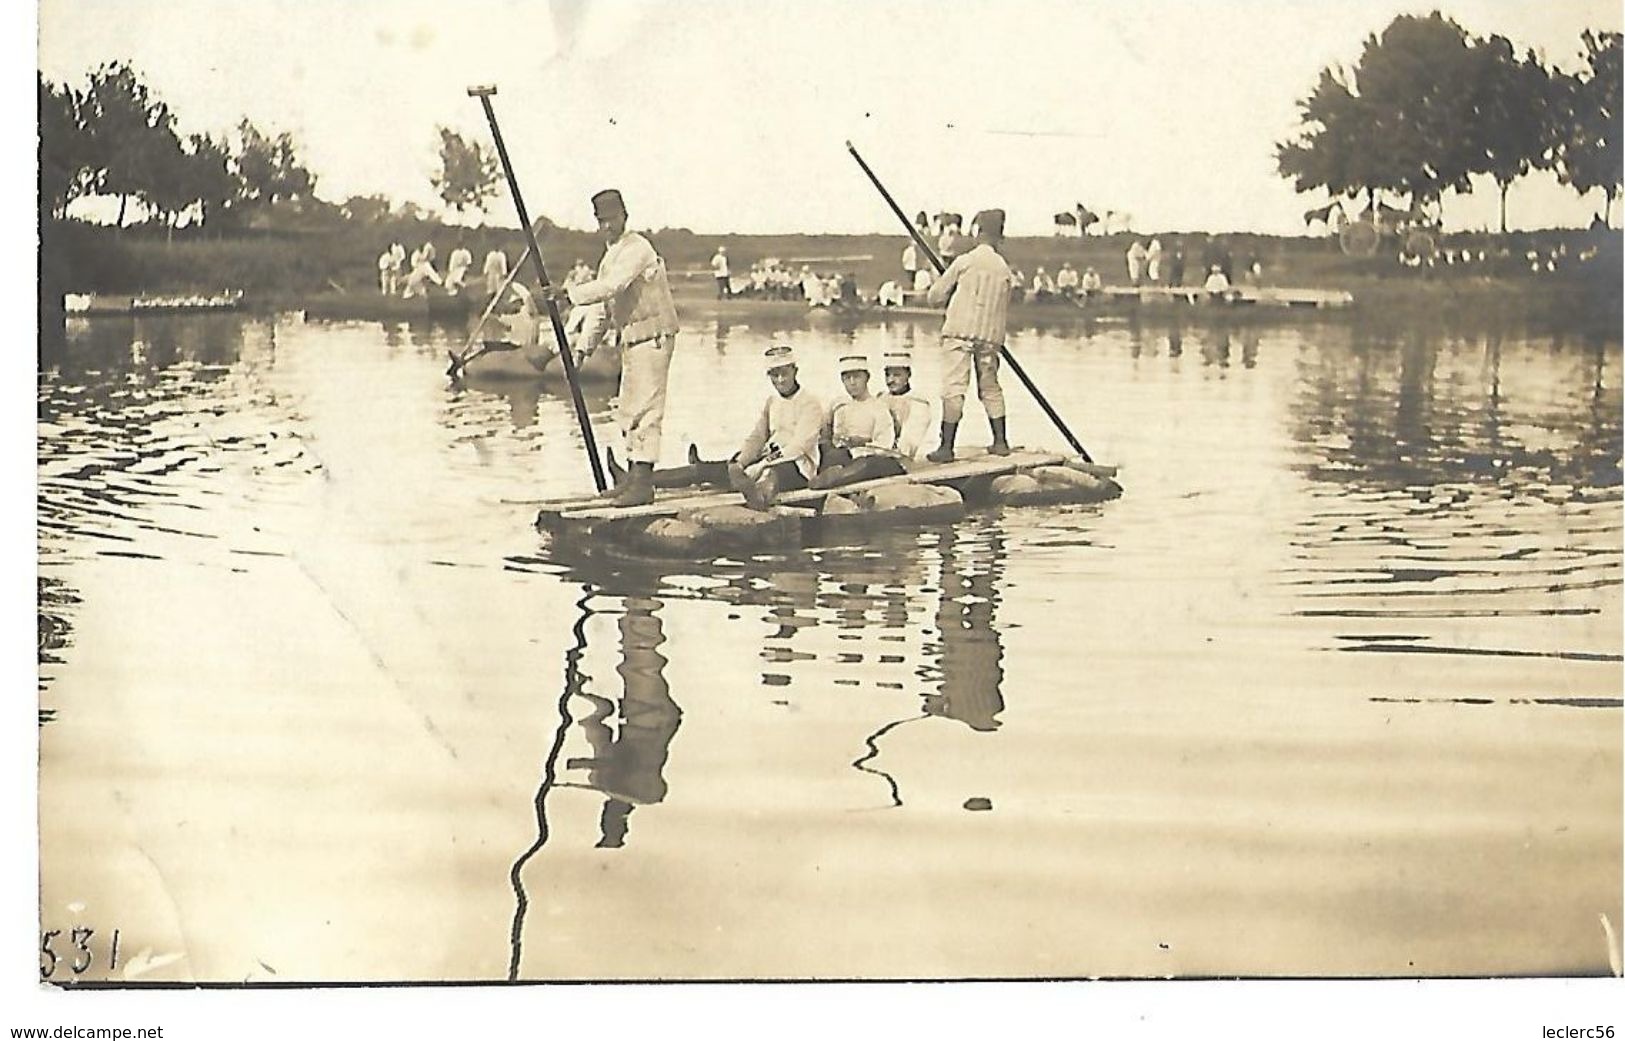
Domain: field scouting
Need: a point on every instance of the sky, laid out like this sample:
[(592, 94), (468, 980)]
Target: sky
[(722, 115)]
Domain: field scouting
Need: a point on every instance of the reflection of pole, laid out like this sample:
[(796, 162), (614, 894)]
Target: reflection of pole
[(572, 685), (872, 743)]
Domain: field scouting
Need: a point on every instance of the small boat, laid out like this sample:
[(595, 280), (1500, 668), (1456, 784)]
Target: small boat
[(174, 303), (505, 360), (439, 306)]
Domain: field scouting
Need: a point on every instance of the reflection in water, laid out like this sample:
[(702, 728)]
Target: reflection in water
[(971, 652), (626, 763)]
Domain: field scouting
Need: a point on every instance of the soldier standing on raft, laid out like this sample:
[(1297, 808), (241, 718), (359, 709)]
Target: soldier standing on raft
[(632, 281), (976, 288)]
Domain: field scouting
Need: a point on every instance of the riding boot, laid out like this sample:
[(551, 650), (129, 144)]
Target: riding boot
[(638, 489), (1001, 444), (617, 472), (945, 453)]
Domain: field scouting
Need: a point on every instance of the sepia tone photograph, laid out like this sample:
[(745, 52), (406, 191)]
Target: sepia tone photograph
[(640, 491)]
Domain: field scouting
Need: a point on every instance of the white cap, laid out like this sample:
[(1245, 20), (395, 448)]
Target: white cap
[(897, 359), (778, 356), (853, 363)]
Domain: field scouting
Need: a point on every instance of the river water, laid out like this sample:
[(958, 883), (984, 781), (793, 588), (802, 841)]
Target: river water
[(1334, 689)]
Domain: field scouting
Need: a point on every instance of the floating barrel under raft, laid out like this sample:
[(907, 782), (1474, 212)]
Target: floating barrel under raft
[(696, 523)]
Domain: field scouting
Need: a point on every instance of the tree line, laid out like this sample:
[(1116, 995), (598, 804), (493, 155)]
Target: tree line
[(1427, 107), (113, 137)]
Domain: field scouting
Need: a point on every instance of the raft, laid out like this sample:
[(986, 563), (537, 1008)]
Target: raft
[(711, 521)]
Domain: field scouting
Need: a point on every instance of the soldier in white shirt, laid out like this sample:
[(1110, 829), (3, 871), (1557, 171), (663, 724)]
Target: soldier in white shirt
[(860, 438), (911, 413), (457, 267), (781, 453), (1067, 280), (495, 270), (719, 271)]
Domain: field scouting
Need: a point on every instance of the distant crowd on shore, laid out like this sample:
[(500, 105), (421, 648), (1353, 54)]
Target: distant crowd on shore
[(410, 276), (771, 279)]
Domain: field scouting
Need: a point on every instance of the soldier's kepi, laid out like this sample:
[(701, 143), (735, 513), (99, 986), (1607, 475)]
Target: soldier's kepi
[(631, 281), (976, 288)]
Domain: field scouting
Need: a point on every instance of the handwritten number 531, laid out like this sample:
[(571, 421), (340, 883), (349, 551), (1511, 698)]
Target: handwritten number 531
[(78, 956)]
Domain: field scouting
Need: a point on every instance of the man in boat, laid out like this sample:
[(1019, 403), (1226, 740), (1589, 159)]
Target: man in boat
[(860, 437), (911, 413), (781, 452), (976, 288), (632, 282)]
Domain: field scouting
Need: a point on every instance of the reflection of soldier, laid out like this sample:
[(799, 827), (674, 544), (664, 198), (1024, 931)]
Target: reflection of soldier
[(971, 649), (626, 766)]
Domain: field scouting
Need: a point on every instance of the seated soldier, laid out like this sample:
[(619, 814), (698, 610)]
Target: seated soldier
[(859, 436), (911, 413), (781, 452)]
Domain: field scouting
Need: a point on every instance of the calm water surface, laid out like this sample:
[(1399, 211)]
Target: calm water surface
[(1333, 690)]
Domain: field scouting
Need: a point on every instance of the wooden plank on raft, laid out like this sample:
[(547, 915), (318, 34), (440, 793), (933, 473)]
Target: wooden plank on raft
[(939, 473)]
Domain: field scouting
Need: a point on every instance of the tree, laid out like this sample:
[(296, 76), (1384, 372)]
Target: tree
[(468, 175), (269, 167), (131, 134), (1512, 133), (1396, 122), (366, 209), (1334, 150), (1588, 150), (66, 160), (209, 177), (168, 194)]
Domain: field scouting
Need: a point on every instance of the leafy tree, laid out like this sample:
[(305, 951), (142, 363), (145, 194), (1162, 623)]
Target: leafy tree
[(1334, 149), (1588, 151), (66, 161), (210, 182), (366, 209), (269, 167), (1512, 133), (1396, 122), (468, 174), (131, 134), (167, 194)]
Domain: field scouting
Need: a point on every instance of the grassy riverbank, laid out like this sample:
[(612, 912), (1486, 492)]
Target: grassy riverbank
[(341, 258)]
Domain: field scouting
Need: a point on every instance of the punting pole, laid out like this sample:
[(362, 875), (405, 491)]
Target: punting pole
[(936, 262), (460, 359), (484, 94)]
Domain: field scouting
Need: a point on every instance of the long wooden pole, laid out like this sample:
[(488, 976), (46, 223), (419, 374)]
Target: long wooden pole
[(936, 262), (484, 94)]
